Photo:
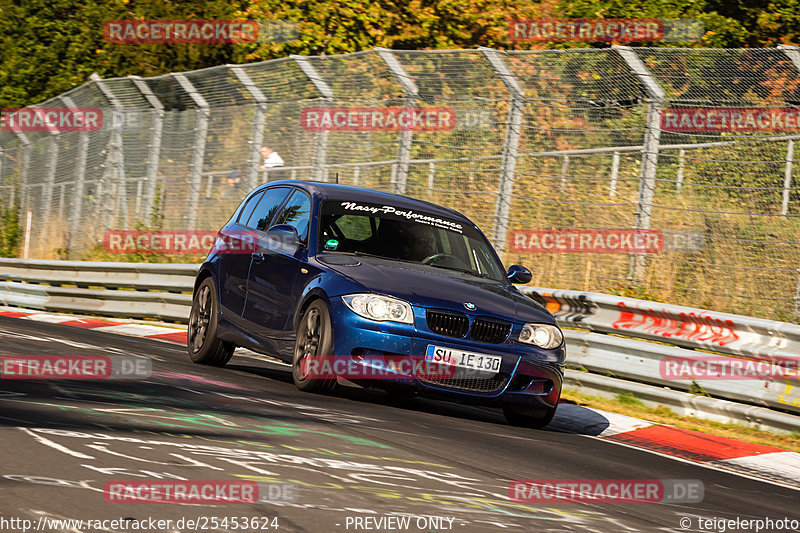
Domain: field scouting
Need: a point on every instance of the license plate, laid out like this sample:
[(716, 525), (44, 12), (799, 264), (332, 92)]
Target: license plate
[(457, 358)]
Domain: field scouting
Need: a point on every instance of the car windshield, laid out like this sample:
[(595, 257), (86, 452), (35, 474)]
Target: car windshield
[(406, 235)]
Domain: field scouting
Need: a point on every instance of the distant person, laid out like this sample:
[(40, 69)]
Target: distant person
[(271, 159)]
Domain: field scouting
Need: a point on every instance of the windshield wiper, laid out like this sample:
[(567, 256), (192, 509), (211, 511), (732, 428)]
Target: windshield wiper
[(358, 253), (464, 270)]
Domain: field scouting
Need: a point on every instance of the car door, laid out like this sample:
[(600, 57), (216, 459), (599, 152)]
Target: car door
[(272, 290), (236, 258), (233, 265)]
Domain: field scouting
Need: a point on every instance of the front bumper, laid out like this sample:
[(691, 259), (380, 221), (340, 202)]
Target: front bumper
[(527, 376)]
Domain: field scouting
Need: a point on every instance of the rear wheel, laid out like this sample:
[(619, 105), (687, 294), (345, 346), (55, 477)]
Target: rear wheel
[(204, 346), (535, 418), (314, 340)]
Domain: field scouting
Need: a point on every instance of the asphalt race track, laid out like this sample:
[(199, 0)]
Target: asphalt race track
[(354, 454)]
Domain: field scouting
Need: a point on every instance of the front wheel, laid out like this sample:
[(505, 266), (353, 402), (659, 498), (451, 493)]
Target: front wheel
[(204, 346), (535, 418), (314, 342)]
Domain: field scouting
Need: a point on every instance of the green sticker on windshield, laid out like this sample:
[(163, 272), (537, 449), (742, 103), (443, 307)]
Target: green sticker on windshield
[(332, 244)]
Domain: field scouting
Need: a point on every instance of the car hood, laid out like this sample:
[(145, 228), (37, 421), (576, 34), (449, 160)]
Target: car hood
[(436, 287)]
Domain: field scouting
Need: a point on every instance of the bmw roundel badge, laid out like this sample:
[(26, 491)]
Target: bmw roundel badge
[(470, 306)]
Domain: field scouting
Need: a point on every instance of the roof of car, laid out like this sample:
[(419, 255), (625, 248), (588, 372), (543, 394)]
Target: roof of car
[(335, 191)]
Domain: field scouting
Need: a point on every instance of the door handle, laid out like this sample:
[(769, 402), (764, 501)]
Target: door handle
[(258, 258)]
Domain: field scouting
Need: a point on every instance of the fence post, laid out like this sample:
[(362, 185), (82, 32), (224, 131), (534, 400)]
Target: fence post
[(797, 296), (199, 149), (612, 190), (257, 138), (510, 147), (50, 179), (321, 137), (431, 174), (787, 178), (79, 184), (681, 163), (11, 186), (115, 151), (25, 165), (793, 53), (411, 90), (154, 148), (564, 170), (652, 138)]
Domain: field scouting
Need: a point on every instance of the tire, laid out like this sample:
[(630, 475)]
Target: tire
[(528, 418), (314, 338), (202, 342)]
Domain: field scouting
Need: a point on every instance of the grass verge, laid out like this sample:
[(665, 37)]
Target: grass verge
[(628, 404)]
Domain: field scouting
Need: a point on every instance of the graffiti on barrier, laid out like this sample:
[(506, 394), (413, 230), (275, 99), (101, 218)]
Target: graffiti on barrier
[(687, 326)]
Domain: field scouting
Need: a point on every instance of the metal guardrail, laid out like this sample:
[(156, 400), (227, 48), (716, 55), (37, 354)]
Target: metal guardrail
[(135, 290), (634, 360), (141, 290), (673, 324), (685, 329)]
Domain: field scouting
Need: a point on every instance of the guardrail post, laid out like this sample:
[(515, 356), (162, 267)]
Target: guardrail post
[(257, 138), (154, 148), (510, 147), (79, 183), (652, 138), (199, 149), (400, 181), (115, 152), (320, 137), (787, 178)]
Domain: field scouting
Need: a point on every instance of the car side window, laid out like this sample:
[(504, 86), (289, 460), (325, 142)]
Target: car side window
[(297, 213), (251, 204), (267, 207)]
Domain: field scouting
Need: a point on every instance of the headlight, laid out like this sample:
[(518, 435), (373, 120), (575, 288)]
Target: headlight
[(541, 335), (377, 307)]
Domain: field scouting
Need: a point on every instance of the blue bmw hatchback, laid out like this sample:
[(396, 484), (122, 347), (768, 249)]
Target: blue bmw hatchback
[(304, 271)]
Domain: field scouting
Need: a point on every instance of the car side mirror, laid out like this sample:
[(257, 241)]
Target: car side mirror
[(519, 274), (284, 233)]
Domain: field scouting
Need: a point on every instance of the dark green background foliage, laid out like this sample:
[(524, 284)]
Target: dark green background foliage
[(10, 232), (48, 47)]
